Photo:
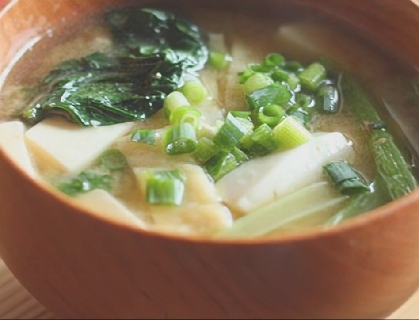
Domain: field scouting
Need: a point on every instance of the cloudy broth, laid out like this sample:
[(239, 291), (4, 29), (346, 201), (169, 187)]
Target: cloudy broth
[(248, 38)]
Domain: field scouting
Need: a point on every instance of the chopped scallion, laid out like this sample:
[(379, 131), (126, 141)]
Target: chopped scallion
[(290, 134), (271, 115), (327, 99), (194, 91), (277, 94), (305, 101), (219, 60), (180, 139), (218, 166), (163, 187), (288, 77), (85, 182), (313, 75), (257, 81), (246, 74), (274, 60), (346, 179), (146, 136), (205, 150), (260, 142), (173, 101), (185, 114), (280, 75), (241, 156), (231, 132), (293, 66), (113, 159), (241, 114)]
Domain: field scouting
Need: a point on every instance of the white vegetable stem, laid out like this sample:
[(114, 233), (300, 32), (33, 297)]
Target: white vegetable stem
[(263, 180), (307, 201)]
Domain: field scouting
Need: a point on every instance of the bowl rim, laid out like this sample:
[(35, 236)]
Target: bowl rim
[(390, 209)]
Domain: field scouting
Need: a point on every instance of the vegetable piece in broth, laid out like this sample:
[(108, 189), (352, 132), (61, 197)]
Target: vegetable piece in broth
[(154, 50)]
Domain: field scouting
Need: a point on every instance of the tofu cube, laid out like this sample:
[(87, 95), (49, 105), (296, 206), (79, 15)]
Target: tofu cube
[(103, 204), (12, 142), (68, 147)]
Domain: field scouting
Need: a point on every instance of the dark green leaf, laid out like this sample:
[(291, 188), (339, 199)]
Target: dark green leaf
[(149, 31), (85, 182), (276, 94), (102, 90), (154, 50)]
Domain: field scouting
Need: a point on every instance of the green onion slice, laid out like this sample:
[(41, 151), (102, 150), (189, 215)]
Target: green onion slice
[(290, 133), (194, 91), (260, 142), (180, 139), (313, 75), (277, 94), (218, 166), (257, 81), (186, 114), (164, 187), (173, 101), (305, 101), (242, 114), (346, 179), (231, 132), (219, 60), (145, 136), (113, 159), (327, 99), (205, 150), (271, 115)]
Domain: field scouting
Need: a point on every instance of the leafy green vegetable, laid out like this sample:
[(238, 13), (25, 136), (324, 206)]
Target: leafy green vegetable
[(154, 50), (362, 203), (146, 136), (102, 90), (113, 160), (85, 182), (148, 31), (391, 164)]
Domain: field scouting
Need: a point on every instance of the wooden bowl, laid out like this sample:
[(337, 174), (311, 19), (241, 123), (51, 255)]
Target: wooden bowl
[(81, 265)]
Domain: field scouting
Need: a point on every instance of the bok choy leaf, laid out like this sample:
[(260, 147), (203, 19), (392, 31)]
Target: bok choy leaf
[(153, 49)]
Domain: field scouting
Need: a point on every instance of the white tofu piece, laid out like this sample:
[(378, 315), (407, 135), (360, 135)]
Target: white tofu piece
[(209, 78), (201, 211), (198, 187), (12, 142), (105, 205), (265, 179), (69, 147)]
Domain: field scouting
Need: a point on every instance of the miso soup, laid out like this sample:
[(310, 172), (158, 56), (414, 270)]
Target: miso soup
[(198, 122)]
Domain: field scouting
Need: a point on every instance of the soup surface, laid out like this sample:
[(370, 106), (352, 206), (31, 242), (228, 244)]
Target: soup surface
[(213, 123)]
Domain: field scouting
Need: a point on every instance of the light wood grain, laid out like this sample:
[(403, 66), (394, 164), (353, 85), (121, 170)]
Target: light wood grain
[(409, 310), (15, 301)]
